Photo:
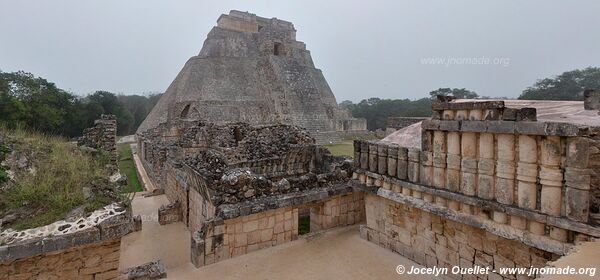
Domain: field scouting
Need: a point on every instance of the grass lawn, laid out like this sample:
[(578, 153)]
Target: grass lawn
[(346, 148), (127, 167)]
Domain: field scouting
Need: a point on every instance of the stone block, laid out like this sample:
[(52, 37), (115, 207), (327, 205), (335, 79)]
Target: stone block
[(449, 125), (577, 204), (577, 178), (532, 128), (527, 195), (561, 129), (577, 152), (473, 126), (501, 127), (551, 200)]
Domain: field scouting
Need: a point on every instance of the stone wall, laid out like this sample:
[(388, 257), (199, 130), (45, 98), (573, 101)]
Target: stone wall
[(220, 239), (92, 261), (90, 251), (591, 99), (491, 168), (103, 135), (431, 240), (343, 210)]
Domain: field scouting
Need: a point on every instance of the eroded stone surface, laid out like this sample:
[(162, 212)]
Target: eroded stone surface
[(63, 227)]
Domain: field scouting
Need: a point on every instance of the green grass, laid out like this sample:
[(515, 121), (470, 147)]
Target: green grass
[(346, 148), (127, 167), (55, 187)]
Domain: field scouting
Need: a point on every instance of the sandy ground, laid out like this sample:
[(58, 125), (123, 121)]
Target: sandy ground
[(170, 243), (335, 254), (587, 256)]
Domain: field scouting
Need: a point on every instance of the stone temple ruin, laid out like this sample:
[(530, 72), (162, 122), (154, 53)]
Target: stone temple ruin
[(487, 183), (240, 188), (493, 183), (252, 69)]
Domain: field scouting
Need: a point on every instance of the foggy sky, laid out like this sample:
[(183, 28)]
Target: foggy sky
[(364, 48)]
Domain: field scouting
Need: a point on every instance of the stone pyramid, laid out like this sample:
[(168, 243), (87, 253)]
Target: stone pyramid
[(251, 69)]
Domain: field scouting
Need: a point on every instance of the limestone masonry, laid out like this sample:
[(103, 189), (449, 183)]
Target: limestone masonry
[(491, 185), (252, 69)]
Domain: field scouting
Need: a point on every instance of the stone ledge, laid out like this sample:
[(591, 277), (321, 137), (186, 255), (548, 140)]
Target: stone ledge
[(509, 127), (484, 204), (109, 229), (230, 211), (506, 231)]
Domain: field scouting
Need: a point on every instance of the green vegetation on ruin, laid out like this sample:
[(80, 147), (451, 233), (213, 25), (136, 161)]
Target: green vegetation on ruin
[(127, 167), (346, 148), (50, 175)]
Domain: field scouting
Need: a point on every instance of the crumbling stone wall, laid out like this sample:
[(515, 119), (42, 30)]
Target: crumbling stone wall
[(89, 253), (431, 240), (93, 261), (103, 135), (591, 99), (492, 168)]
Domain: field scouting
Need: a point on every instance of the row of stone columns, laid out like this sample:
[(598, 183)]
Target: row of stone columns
[(522, 170)]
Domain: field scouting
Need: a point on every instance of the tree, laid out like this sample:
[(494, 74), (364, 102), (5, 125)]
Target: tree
[(566, 86), (104, 102), (376, 111), (459, 93)]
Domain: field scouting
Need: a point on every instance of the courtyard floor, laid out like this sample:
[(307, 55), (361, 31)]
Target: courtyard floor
[(334, 254)]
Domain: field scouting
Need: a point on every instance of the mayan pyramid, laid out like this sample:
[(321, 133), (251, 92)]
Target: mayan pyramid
[(252, 69)]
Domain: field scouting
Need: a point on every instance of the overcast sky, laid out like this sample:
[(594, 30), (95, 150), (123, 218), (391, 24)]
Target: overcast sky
[(387, 49)]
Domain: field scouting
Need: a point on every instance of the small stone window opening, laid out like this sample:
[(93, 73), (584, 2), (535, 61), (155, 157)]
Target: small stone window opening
[(277, 49), (260, 27), (185, 112)]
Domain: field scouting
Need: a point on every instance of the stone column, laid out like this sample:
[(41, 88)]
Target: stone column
[(453, 162), (357, 144), (382, 150), (426, 173), (485, 180), (551, 176), (468, 163), (392, 160), (527, 172), (402, 172), (373, 158), (505, 169), (364, 155), (439, 159), (413, 165), (577, 179)]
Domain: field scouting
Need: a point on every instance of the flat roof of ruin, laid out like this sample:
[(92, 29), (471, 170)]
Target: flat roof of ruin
[(551, 110)]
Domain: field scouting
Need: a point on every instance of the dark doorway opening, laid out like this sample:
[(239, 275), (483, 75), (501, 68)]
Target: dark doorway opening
[(277, 49), (303, 221)]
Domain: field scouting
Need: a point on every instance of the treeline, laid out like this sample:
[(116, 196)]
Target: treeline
[(35, 103), (569, 85)]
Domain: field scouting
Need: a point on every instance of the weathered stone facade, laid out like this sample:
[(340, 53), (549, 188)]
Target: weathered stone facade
[(228, 174), (484, 170), (87, 253), (252, 69), (103, 135)]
